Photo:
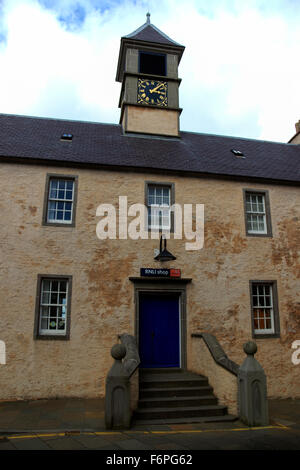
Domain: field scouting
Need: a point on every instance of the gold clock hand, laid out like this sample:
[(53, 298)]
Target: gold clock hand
[(156, 88)]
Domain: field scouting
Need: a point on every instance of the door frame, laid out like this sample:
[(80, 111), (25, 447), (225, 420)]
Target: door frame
[(161, 288)]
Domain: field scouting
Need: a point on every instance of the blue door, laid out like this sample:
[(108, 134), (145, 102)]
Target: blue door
[(159, 330)]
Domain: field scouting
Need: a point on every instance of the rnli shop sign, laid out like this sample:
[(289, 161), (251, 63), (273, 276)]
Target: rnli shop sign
[(154, 272)]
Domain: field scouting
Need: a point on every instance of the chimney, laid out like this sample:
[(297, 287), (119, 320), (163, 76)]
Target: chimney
[(297, 125)]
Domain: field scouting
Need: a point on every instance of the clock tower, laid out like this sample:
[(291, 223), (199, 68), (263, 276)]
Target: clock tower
[(148, 70)]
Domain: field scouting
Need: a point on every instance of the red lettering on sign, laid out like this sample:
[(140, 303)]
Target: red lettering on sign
[(175, 273)]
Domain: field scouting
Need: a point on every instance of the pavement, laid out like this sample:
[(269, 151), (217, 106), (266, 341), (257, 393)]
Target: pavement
[(78, 424)]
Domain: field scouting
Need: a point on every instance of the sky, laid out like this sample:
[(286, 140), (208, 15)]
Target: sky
[(240, 69)]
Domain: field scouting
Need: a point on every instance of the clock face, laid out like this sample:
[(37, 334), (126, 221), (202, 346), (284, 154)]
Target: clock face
[(152, 92)]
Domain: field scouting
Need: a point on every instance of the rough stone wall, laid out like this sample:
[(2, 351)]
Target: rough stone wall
[(223, 382), (102, 305), (151, 120)]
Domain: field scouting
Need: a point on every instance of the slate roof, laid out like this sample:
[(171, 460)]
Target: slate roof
[(104, 145), (150, 33)]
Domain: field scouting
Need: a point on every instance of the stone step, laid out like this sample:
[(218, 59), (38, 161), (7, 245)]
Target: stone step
[(176, 402), (159, 370), (182, 412), (146, 374), (177, 396), (175, 392), (172, 382)]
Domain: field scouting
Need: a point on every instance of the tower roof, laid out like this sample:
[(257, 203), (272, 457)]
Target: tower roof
[(147, 36), (150, 33)]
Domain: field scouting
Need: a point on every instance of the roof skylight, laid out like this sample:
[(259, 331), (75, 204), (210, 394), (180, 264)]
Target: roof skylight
[(66, 136), (238, 153)]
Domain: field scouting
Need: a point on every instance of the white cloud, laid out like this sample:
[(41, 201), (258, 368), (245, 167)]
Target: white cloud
[(240, 68)]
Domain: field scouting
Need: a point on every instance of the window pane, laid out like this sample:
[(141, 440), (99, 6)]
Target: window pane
[(63, 286), (61, 324), (53, 311), (158, 199), (166, 192), (268, 323), (51, 215), (44, 311), (254, 225), (53, 298), (62, 299), (159, 191), (52, 324), (268, 301), (44, 324), (54, 286), (53, 193), (45, 298), (70, 185), (45, 286), (248, 206), (254, 289)]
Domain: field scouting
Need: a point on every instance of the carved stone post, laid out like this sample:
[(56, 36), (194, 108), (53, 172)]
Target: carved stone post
[(117, 397), (252, 389)]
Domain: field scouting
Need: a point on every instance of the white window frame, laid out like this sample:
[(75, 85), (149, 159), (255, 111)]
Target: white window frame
[(60, 200), (63, 306), (253, 196), (162, 211), (265, 305)]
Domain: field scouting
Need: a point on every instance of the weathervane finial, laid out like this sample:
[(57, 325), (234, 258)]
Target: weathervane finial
[(148, 18)]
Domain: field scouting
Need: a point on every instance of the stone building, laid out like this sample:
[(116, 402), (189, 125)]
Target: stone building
[(66, 293)]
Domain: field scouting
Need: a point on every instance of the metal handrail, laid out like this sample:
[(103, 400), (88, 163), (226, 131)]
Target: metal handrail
[(217, 352)]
